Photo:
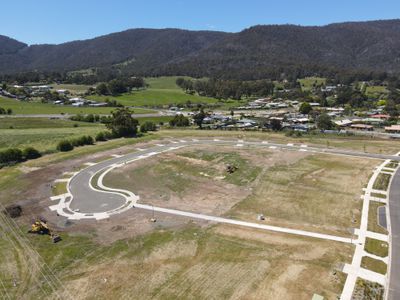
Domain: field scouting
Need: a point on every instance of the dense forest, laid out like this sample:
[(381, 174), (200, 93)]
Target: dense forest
[(365, 50)]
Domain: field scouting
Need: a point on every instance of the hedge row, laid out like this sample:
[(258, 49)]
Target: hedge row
[(68, 145), (14, 155)]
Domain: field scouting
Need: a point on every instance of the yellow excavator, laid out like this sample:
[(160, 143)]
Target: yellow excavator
[(41, 227)]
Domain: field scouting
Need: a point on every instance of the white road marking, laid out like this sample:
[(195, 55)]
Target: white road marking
[(61, 180)]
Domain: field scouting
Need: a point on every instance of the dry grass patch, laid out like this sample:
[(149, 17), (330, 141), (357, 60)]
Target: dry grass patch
[(318, 192), (222, 262)]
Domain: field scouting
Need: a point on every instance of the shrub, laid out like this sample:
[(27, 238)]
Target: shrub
[(88, 140), (100, 137), (31, 153), (148, 126), (109, 135), (83, 140), (179, 121), (9, 156), (64, 146)]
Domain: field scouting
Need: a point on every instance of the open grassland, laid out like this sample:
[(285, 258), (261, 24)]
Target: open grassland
[(45, 133), (308, 83), (156, 98), (38, 108), (217, 262), (164, 82), (43, 139), (33, 123)]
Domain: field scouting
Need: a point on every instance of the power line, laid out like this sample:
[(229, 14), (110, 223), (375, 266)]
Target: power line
[(51, 279)]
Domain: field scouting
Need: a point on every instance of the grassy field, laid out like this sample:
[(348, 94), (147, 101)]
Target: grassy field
[(156, 98), (45, 133), (37, 108), (308, 82), (42, 133), (164, 82), (162, 92), (34, 123)]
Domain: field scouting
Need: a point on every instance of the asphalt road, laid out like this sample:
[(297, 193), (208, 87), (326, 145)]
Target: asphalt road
[(394, 210)]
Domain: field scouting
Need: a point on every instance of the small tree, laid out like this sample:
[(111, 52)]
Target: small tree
[(102, 89), (122, 124), (276, 125), (305, 108), (199, 117), (179, 121), (64, 146), (324, 122)]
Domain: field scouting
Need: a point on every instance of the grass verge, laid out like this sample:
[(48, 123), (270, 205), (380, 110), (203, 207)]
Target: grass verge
[(377, 247), (373, 224), (374, 265), (382, 182)]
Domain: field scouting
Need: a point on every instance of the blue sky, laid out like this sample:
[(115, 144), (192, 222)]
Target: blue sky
[(56, 21)]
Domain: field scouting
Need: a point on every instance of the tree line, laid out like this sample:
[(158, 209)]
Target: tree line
[(225, 89)]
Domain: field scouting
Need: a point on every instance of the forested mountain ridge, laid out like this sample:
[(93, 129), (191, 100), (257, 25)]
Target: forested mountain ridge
[(251, 53)]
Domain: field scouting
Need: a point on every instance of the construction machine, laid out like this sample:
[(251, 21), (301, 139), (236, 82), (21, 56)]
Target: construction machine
[(41, 227)]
